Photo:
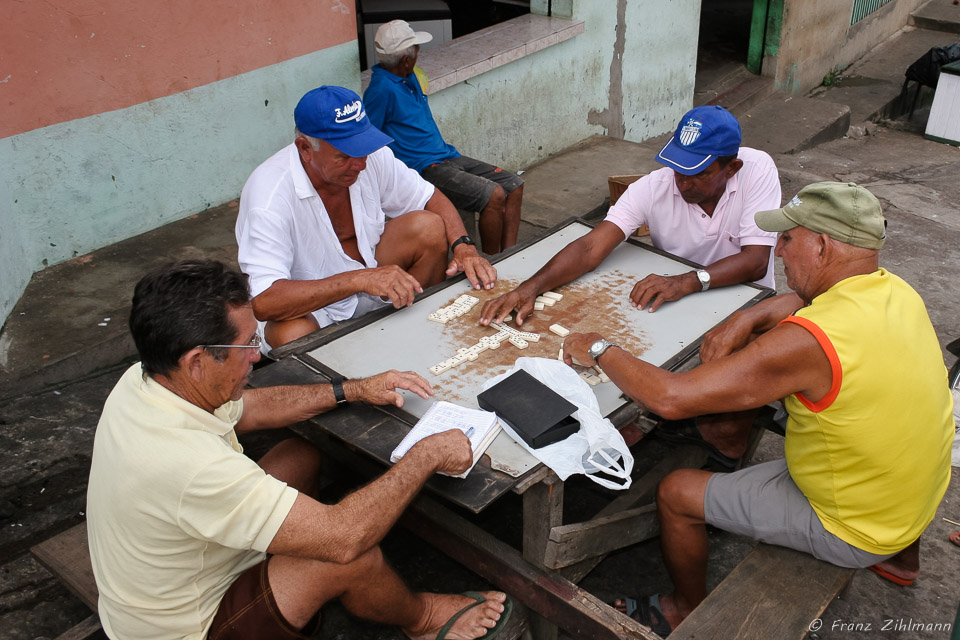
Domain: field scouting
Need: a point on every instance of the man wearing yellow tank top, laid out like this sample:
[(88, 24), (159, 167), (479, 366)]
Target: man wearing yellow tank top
[(857, 361)]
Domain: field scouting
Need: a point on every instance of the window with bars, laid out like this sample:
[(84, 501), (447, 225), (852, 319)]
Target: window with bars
[(863, 8)]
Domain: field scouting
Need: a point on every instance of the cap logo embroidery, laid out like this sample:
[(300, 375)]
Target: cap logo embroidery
[(350, 112), (690, 132), (795, 201)]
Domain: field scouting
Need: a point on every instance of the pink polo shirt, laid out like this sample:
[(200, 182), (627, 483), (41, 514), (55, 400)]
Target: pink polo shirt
[(686, 231)]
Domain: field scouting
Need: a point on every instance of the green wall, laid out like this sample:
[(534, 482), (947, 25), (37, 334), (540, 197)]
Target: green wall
[(77, 186), (634, 85)]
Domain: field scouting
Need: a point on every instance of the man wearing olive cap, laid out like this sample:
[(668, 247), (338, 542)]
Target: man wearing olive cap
[(333, 225), (856, 360)]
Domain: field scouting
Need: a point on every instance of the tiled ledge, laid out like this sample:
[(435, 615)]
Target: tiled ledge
[(479, 52)]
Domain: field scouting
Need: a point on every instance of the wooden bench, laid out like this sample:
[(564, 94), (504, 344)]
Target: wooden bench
[(773, 593), (67, 557)]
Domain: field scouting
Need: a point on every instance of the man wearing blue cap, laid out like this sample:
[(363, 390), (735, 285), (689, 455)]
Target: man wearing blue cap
[(333, 226), (700, 207), (397, 104)]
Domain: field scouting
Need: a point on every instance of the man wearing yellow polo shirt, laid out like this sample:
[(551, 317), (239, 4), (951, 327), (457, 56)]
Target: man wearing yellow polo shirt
[(870, 424), (189, 538)]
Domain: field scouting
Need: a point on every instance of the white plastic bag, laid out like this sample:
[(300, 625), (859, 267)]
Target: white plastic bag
[(597, 448)]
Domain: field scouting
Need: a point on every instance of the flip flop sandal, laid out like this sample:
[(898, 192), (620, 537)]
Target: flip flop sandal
[(646, 611), (883, 573), (478, 600), (686, 432)]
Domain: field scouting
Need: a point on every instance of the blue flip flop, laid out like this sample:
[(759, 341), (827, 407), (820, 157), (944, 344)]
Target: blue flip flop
[(646, 611), (478, 600)]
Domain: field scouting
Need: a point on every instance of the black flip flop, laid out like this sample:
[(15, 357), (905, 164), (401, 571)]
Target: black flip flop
[(646, 611), (686, 432)]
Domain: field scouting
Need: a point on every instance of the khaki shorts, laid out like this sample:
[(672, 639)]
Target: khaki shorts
[(248, 611), (764, 503)]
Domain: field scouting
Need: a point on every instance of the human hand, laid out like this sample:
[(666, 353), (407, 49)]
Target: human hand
[(449, 450), (521, 299), (381, 388), (576, 348), (654, 290), (479, 271), (390, 281), (727, 337)]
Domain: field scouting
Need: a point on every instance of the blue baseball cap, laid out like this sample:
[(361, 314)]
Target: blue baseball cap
[(336, 115), (703, 134)]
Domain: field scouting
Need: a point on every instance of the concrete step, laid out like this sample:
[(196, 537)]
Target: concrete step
[(785, 123), (937, 15), (737, 92), (871, 86)]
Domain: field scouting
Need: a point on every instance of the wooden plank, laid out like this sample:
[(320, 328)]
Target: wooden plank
[(82, 630), (642, 490), (542, 510), (774, 593), (577, 612), (67, 556), (572, 543)]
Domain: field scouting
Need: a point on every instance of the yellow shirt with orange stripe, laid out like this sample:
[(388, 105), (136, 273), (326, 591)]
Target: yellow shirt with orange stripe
[(873, 455)]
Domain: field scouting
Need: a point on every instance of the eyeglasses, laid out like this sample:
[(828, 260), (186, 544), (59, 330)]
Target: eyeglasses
[(254, 343)]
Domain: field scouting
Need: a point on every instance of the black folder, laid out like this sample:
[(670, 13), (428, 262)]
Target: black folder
[(535, 412)]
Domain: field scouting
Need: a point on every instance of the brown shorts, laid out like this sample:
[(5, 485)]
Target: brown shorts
[(248, 610)]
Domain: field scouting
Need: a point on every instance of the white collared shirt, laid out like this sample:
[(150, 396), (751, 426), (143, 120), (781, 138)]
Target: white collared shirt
[(284, 231), (685, 230)]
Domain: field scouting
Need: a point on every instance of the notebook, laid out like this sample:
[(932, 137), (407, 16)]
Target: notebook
[(480, 426)]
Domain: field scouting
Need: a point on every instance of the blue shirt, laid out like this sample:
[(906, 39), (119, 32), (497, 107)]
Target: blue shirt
[(398, 107)]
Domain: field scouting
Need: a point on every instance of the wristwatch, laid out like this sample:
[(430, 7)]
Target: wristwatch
[(598, 348), (704, 277), (338, 393), (462, 240)]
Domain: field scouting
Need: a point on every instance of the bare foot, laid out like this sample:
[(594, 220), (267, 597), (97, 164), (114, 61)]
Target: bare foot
[(439, 608)]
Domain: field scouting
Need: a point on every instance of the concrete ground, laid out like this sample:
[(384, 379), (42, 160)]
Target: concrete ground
[(65, 344)]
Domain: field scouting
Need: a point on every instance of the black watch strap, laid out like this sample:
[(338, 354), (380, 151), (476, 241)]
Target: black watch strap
[(461, 240), (338, 391)]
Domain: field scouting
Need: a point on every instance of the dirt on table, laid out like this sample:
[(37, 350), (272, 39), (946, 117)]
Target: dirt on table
[(599, 303)]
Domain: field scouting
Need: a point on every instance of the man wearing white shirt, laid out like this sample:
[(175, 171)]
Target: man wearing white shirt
[(333, 226)]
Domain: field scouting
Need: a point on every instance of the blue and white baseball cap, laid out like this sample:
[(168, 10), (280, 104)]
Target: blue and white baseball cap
[(703, 134), (336, 115)]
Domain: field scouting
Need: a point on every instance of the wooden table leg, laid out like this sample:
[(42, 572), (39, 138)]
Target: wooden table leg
[(542, 510)]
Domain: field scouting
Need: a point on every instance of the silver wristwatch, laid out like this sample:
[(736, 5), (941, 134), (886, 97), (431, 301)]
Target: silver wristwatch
[(704, 279), (598, 348)]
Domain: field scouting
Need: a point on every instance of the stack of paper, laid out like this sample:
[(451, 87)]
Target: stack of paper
[(480, 426)]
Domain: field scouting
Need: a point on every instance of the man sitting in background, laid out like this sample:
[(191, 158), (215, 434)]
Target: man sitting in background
[(397, 105)]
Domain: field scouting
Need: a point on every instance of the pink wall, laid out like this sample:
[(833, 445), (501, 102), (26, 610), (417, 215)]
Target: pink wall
[(67, 59)]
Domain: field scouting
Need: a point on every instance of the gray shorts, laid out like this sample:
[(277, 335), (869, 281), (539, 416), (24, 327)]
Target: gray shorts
[(469, 183), (763, 503)]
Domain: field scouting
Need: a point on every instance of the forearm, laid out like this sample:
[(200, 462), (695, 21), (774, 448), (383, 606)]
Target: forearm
[(749, 265), (369, 513), (288, 299), (343, 532), (452, 223), (767, 314), (577, 258)]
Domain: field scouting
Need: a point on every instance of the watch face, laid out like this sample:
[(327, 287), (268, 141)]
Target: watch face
[(596, 347)]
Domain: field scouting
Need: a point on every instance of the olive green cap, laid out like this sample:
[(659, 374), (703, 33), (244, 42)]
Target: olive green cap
[(843, 210)]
